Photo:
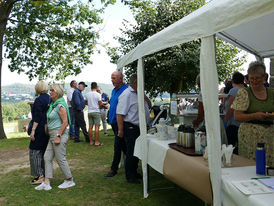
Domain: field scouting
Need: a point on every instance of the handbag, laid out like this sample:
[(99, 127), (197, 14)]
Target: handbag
[(46, 130), (46, 125), (30, 125)]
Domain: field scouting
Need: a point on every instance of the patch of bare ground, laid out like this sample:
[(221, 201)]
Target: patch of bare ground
[(101, 168), (13, 159), (2, 200)]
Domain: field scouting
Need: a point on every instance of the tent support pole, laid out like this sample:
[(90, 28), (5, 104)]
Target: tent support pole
[(142, 121), (209, 86)]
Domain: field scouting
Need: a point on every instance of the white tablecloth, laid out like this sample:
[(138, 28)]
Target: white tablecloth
[(232, 196), (156, 151)]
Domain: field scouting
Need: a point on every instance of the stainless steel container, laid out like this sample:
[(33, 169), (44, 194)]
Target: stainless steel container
[(185, 139)]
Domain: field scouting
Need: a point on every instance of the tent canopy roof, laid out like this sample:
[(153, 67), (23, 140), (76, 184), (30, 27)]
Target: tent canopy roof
[(248, 24)]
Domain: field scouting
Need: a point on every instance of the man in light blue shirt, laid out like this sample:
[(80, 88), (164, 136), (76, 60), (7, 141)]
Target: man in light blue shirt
[(128, 126)]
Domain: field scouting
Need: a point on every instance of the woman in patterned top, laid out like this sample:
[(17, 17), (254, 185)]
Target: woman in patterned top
[(253, 106)]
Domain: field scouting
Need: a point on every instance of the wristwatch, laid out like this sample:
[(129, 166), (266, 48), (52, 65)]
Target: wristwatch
[(58, 135)]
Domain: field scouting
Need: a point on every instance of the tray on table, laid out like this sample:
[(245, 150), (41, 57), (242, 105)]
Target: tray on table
[(187, 151)]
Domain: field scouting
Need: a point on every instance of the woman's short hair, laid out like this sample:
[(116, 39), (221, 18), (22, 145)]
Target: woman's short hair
[(58, 89), (41, 87), (256, 67)]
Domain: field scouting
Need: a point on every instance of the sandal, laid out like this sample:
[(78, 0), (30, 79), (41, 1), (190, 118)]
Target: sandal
[(92, 143), (97, 145), (37, 180)]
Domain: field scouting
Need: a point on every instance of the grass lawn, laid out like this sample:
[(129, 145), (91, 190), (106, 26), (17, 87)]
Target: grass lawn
[(88, 165)]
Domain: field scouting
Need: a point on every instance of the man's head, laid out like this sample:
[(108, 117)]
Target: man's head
[(99, 90), (93, 85), (132, 81), (238, 78), (73, 84), (82, 86), (117, 79)]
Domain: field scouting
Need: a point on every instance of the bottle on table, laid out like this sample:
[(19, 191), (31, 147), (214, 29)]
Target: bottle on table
[(260, 159)]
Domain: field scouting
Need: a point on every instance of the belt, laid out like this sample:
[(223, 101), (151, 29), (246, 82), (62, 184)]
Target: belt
[(261, 122), (131, 125)]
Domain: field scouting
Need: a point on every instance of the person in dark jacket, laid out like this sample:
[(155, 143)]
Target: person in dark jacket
[(78, 105), (39, 140)]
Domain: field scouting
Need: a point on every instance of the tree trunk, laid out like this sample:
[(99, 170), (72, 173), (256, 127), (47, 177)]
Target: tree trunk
[(5, 9)]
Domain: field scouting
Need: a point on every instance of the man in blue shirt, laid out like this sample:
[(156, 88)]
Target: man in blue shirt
[(119, 143), (78, 105)]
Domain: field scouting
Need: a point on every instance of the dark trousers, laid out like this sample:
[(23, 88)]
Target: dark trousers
[(72, 122), (80, 123), (119, 146), (131, 133), (232, 136)]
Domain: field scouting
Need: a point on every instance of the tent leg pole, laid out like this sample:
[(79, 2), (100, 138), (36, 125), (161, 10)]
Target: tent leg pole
[(148, 179)]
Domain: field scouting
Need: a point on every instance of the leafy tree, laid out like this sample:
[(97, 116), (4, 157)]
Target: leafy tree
[(174, 69), (48, 38)]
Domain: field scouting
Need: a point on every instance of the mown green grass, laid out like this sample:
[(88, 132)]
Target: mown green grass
[(88, 165)]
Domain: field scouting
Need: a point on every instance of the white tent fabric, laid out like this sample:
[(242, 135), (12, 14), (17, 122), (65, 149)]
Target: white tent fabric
[(143, 131), (209, 85), (216, 16), (245, 23)]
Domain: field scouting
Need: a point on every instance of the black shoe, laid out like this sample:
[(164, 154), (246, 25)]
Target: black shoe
[(77, 140), (134, 181), (87, 140), (110, 174)]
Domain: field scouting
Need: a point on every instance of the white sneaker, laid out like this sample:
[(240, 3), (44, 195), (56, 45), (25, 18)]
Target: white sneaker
[(67, 184), (43, 186)]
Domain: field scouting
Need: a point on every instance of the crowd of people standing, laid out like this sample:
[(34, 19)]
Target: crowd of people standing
[(56, 114), (248, 120)]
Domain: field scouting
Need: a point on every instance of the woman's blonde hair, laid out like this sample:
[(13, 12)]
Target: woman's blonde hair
[(41, 87), (58, 89)]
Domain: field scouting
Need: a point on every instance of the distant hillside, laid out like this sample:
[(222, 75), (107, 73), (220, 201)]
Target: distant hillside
[(18, 89), (13, 93)]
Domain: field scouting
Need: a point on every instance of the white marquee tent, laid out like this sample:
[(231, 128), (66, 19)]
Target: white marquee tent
[(248, 24)]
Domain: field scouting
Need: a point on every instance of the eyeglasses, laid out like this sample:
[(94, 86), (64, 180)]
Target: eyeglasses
[(254, 78)]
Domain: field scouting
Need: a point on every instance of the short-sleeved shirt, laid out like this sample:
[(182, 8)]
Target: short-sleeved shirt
[(247, 102), (93, 97), (54, 119), (128, 106), (113, 103), (232, 92), (105, 98), (69, 96)]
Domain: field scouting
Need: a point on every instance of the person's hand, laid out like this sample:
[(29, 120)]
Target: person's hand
[(261, 115), (120, 133), (32, 135), (270, 115), (57, 140)]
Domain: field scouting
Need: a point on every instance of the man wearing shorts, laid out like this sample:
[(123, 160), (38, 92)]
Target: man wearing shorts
[(94, 102)]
